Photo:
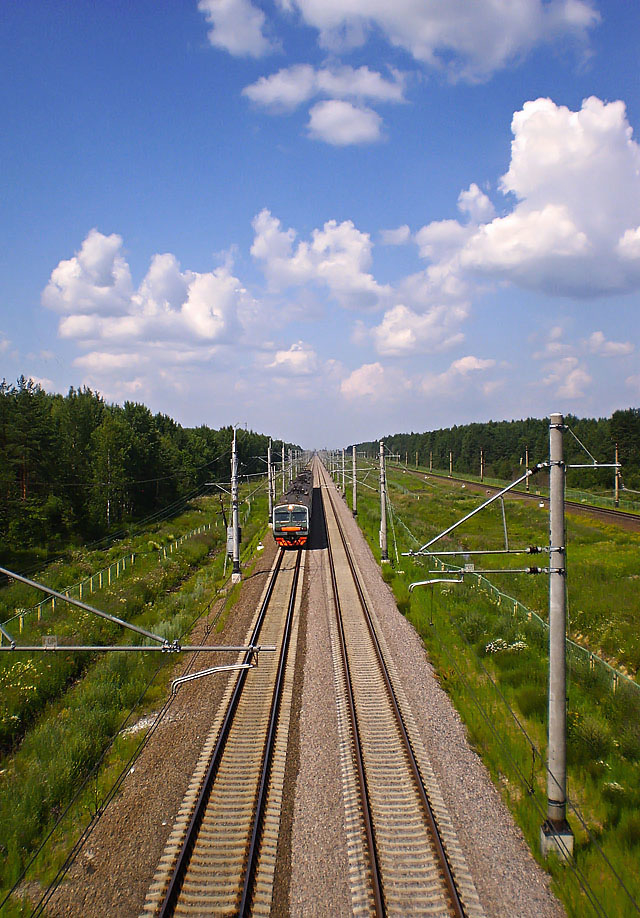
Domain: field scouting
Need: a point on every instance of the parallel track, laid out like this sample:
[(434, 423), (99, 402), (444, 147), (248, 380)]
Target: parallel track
[(413, 864), (624, 517), (216, 869)]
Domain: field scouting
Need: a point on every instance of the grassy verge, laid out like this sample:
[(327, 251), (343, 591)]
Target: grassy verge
[(629, 502), (494, 666), (65, 744), (28, 683)]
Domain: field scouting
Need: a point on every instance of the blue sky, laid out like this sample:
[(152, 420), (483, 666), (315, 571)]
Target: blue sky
[(327, 219)]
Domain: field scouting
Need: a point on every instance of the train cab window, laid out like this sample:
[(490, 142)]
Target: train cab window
[(281, 518), (299, 515)]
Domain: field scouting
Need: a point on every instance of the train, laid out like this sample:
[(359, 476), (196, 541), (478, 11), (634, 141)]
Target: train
[(292, 515)]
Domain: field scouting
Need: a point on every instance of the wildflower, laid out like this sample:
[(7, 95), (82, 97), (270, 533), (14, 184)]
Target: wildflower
[(496, 646), (517, 646)]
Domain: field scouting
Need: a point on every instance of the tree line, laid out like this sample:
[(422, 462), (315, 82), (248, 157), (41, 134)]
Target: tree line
[(74, 468), (505, 443)]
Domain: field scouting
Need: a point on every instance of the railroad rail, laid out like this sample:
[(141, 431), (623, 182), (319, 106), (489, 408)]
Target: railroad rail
[(407, 859), (220, 858), (628, 519)]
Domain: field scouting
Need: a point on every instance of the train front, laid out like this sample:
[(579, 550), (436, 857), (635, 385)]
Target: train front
[(291, 525)]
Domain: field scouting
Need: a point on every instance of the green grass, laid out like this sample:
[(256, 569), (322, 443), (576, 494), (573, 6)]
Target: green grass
[(494, 665), (28, 683), (69, 732)]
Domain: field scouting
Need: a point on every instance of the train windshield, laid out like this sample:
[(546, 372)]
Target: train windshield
[(297, 516)]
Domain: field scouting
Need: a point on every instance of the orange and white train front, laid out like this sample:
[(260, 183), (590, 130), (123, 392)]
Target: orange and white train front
[(291, 525)]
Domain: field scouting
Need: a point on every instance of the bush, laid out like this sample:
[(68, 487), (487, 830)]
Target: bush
[(473, 625), (588, 739), (613, 792), (630, 742)]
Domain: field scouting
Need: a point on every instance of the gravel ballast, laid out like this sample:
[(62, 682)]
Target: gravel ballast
[(508, 879), (114, 869)]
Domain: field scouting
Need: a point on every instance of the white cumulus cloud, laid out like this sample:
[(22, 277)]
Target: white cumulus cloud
[(129, 337), (341, 124), (456, 378), (398, 236), (285, 90), (237, 27), (298, 360), (291, 86), (475, 204), (598, 344), (568, 378), (403, 331), (337, 257), (574, 229), (96, 280), (375, 383), (470, 39)]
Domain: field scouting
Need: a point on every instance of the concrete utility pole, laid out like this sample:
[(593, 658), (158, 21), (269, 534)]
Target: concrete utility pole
[(355, 502), (344, 489), (431, 461), (481, 465), (450, 464), (269, 484), (526, 464), (236, 576), (416, 459), (383, 507), (284, 479), (290, 466), (617, 480), (555, 834)]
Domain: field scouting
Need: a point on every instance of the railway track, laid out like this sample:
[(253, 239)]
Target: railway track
[(404, 856), (624, 518), (220, 858)]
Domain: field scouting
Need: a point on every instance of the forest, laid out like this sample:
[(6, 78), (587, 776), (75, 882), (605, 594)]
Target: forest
[(504, 445), (74, 468)]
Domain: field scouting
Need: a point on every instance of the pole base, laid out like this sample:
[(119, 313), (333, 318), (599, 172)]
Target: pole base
[(384, 561), (236, 578), (556, 840)]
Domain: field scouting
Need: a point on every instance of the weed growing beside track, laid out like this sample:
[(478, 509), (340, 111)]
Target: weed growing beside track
[(494, 665), (69, 734)]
